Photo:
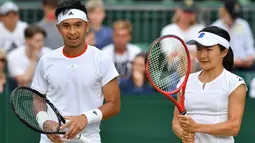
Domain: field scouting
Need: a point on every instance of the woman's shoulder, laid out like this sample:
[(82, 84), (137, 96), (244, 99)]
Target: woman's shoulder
[(231, 77)]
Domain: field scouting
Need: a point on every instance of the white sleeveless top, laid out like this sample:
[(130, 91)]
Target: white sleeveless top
[(210, 105)]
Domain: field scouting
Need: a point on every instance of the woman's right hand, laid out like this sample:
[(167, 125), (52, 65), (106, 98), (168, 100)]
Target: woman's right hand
[(187, 137)]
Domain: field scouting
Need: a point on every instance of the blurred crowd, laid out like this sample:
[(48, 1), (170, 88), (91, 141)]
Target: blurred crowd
[(22, 45)]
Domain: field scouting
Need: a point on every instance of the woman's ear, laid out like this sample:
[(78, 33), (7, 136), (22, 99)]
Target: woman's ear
[(224, 53)]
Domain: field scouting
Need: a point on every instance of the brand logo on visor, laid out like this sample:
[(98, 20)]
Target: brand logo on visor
[(201, 35), (70, 13)]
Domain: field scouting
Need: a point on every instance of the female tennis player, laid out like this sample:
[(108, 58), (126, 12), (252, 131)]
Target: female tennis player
[(214, 97), (77, 78)]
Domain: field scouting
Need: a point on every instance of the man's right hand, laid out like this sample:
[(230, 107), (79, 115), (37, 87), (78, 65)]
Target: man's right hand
[(51, 126), (187, 137)]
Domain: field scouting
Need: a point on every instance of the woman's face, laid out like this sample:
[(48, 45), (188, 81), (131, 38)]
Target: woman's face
[(210, 57), (139, 65), (225, 16), (186, 16)]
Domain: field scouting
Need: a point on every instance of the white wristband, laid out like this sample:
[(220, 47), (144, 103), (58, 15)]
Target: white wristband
[(41, 117), (93, 116)]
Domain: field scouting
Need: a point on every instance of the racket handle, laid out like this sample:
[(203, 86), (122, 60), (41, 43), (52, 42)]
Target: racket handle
[(184, 112), (82, 138)]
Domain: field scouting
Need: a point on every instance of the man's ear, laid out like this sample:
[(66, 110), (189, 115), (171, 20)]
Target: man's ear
[(87, 26), (58, 27)]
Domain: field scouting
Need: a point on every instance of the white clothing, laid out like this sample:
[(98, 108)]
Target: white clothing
[(210, 105), (122, 62), (18, 61), (11, 40), (74, 85), (190, 34), (241, 42)]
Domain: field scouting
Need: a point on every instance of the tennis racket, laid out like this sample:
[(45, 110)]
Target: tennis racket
[(168, 67), (27, 102)]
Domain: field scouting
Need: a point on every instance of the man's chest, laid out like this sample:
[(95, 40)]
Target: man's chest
[(67, 74)]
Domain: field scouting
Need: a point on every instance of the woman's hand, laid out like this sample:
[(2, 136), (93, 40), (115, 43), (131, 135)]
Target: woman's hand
[(187, 123), (187, 137)]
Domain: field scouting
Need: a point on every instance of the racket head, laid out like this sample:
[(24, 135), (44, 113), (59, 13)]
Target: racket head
[(168, 67), (25, 100)]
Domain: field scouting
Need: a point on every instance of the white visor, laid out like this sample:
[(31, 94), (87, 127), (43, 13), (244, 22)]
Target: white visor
[(209, 39), (72, 13)]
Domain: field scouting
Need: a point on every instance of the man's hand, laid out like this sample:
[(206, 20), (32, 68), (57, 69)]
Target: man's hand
[(51, 126), (76, 124)]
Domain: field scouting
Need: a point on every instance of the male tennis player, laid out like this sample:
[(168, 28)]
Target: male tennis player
[(77, 78)]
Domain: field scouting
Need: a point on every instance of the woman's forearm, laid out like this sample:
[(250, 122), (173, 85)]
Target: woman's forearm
[(227, 128), (177, 129)]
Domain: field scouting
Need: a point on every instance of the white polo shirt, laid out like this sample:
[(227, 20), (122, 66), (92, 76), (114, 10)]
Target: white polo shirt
[(11, 40), (122, 62), (74, 85), (18, 61), (210, 105)]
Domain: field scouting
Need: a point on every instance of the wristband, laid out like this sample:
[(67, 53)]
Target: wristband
[(41, 117), (93, 116)]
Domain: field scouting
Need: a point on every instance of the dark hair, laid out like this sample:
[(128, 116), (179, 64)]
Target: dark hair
[(69, 4), (228, 61), (51, 3), (233, 7), (30, 31)]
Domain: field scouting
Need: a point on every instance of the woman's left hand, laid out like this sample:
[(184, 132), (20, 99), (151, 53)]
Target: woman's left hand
[(187, 123)]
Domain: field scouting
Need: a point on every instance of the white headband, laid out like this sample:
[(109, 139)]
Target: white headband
[(72, 13), (208, 38)]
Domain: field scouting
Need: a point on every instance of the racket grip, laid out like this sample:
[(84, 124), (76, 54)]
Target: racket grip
[(184, 112), (82, 138)]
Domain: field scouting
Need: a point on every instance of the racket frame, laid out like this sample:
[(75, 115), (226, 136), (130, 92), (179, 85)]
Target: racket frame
[(59, 116), (182, 87)]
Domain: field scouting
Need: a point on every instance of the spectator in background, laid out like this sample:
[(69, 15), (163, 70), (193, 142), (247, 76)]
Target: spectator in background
[(96, 15), (185, 26), (12, 29), (2, 69), (90, 38), (137, 81), (48, 23), (242, 41), (121, 51), (23, 60)]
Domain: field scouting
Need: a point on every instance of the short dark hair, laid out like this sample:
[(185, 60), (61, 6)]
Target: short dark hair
[(228, 61), (30, 31), (70, 4), (52, 3)]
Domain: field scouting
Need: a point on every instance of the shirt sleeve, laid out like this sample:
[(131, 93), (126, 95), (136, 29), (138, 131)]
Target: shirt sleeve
[(107, 70), (39, 82), (14, 66), (234, 83)]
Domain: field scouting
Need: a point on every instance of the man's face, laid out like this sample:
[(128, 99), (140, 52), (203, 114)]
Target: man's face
[(10, 19), (36, 42), (96, 16), (73, 32), (121, 37)]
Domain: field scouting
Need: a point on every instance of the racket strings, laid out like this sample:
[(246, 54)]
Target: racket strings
[(167, 63), (27, 105)]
